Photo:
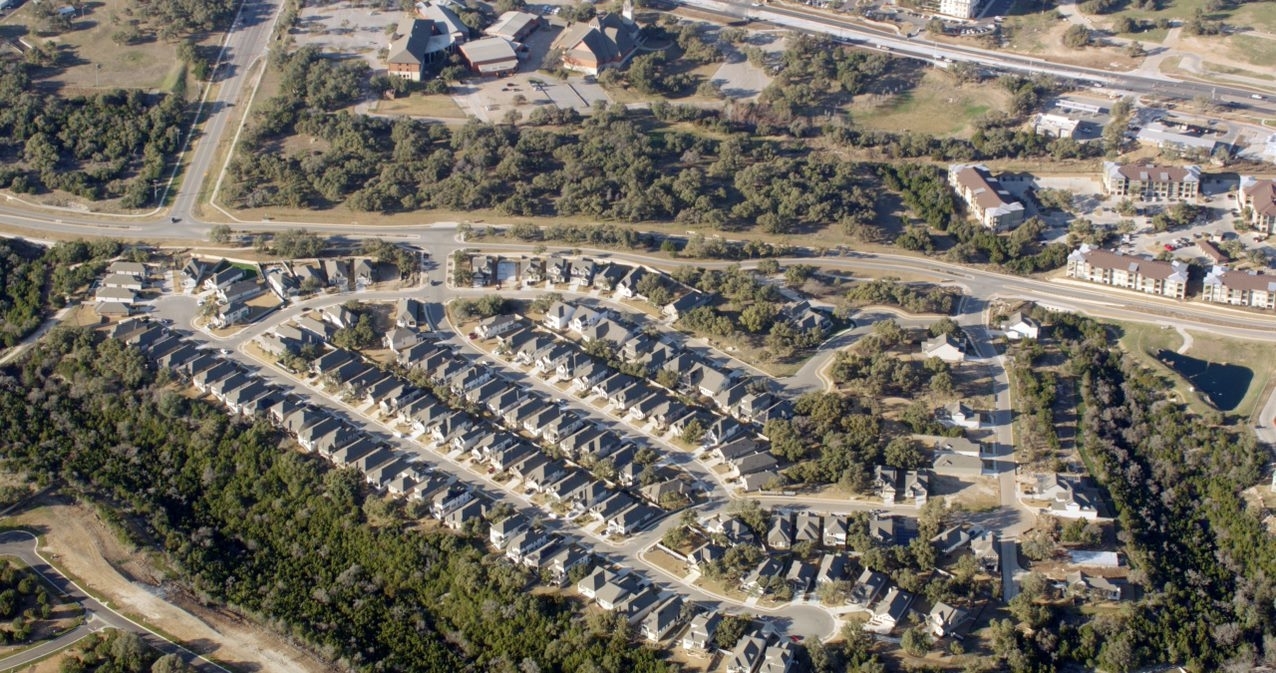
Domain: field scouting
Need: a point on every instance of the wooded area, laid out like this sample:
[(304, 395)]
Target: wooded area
[(34, 280), (280, 535), (112, 145)]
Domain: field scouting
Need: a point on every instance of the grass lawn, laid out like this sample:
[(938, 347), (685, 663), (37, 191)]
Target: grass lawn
[(1253, 50), (1259, 15), (1029, 29), (419, 105), (937, 105)]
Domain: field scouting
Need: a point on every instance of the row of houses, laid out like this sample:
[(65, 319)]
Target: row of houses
[(738, 408), (243, 392), (117, 292)]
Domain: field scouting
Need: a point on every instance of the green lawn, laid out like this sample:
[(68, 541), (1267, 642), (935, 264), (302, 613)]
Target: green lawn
[(937, 105), (1253, 50)]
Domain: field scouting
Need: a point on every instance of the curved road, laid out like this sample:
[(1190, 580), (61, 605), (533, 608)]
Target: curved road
[(23, 546)]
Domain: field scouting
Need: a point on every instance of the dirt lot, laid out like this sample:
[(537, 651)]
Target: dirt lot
[(81, 545), (740, 79)]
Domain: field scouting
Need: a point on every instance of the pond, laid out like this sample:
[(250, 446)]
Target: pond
[(1224, 385)]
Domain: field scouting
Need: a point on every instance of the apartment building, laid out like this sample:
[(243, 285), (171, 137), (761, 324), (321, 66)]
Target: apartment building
[(986, 200), (1168, 279), (1239, 288), (1152, 182), (1259, 196)]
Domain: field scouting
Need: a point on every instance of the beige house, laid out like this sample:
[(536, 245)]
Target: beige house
[(985, 198), (1239, 288), (598, 44), (1259, 196), (1168, 279), (1152, 182)]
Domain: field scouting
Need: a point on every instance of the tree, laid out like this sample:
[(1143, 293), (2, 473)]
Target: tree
[(220, 234), (294, 243), (693, 432), (1077, 37), (916, 641), (904, 453)]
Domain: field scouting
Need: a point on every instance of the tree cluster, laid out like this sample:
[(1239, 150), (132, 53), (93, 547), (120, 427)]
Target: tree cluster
[(912, 297), (115, 144), (113, 651)]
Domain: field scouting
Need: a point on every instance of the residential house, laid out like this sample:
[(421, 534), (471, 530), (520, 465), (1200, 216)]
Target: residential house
[(1096, 587), (780, 658), (460, 517), (497, 325), (538, 558), (951, 539), (339, 316), (450, 498), (631, 520), (400, 339), (559, 316), (548, 361), (670, 490), (722, 429), (832, 569), (780, 536), (223, 277), (1239, 288), (565, 560), (566, 368), (987, 550), (365, 272), (946, 620), (584, 318), (756, 463), (534, 271), (985, 198), (710, 381), (126, 281), (807, 527), (563, 489), (752, 407), (1019, 325), (705, 554), (889, 530), (727, 399), (684, 304), (283, 284), (747, 655), (618, 592), (524, 542), (1152, 182), (800, 576), (867, 588), (503, 459), (409, 313), (591, 584), (663, 619), (582, 272), (836, 527), (1167, 279), (133, 269), (699, 635), (320, 329), (962, 466), (890, 611), (609, 507), (117, 295), (1068, 498), (605, 279), (559, 271), (945, 348), (483, 270), (309, 276), (959, 415), (239, 291), (337, 271), (505, 400), (606, 329), (627, 287), (544, 474)]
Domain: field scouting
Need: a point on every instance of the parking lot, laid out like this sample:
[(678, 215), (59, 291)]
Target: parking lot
[(490, 99), (741, 80), (343, 28)]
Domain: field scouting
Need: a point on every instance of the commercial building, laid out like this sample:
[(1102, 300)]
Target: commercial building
[(429, 36), (985, 198), (1259, 196), (514, 26), (1166, 138), (1168, 279), (593, 46), (1152, 182), (1056, 126), (1239, 288), (491, 56)]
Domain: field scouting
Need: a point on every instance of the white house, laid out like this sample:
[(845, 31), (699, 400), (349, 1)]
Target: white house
[(1019, 326)]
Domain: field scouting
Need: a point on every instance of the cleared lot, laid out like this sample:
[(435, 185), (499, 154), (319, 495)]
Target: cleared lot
[(342, 28)]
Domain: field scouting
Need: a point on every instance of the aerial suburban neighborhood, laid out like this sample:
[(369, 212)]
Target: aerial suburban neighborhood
[(789, 336)]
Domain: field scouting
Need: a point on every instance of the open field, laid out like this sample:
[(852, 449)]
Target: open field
[(937, 105), (1258, 15), (97, 61), (81, 545), (1252, 50), (421, 105)]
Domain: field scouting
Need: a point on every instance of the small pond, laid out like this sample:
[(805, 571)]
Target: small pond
[(1223, 384)]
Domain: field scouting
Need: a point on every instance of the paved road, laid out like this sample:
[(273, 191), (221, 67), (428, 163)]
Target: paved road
[(22, 545)]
